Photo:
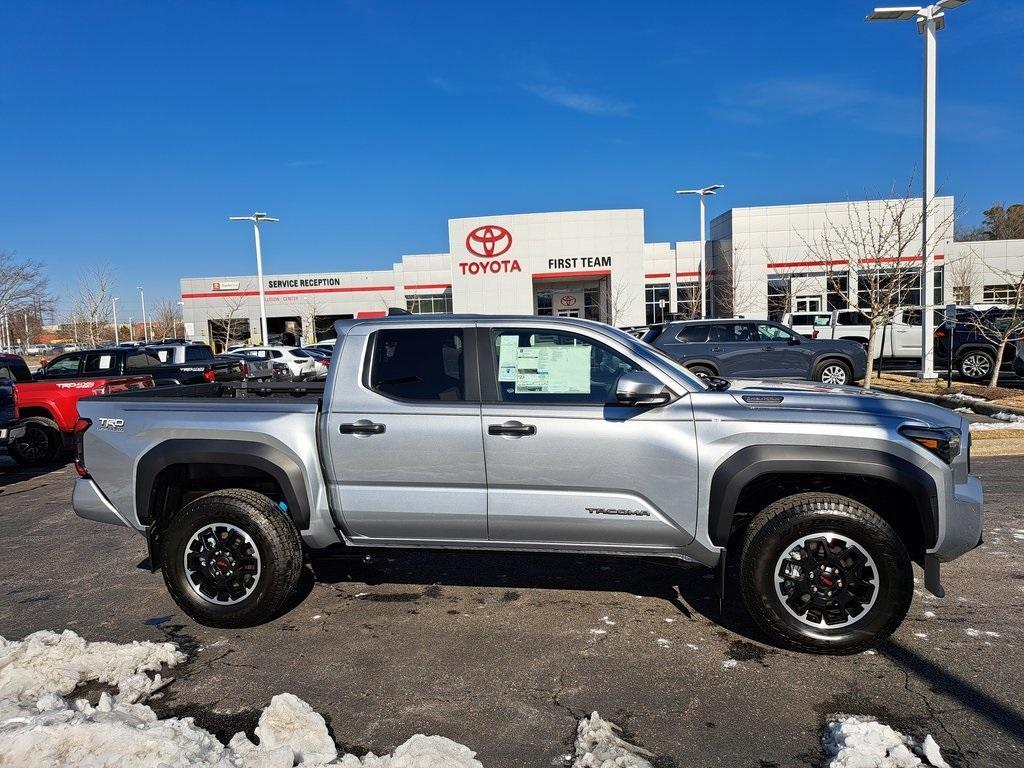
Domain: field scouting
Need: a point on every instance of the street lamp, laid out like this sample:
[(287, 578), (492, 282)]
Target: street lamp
[(131, 330), (930, 19), (145, 327), (117, 336), (182, 310), (256, 218), (674, 298)]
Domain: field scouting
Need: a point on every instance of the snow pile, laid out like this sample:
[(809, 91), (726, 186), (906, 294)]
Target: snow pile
[(38, 727), (1013, 418), (599, 746), (963, 397), (51, 663), (861, 742), (1005, 421)]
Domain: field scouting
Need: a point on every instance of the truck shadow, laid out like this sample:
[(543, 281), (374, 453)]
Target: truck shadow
[(690, 590)]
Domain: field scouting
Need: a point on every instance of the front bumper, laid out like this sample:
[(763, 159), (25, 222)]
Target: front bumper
[(963, 523), (89, 502), (7, 434)]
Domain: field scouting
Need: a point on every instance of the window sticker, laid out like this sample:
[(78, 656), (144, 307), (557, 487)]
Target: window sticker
[(553, 370), (507, 354), (104, 362)]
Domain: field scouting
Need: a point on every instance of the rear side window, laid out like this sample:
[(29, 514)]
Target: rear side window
[(138, 360), (419, 364), (98, 362), (693, 334), (14, 370), (851, 318), (197, 352), (734, 332), (66, 365)]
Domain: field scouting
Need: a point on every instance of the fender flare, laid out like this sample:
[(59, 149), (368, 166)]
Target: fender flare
[(748, 464), (687, 362), (285, 469)]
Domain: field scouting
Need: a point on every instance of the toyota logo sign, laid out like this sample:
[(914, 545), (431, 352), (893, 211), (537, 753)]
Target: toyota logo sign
[(567, 300), (489, 241)]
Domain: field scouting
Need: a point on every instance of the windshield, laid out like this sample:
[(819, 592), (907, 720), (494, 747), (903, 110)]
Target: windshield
[(654, 355)]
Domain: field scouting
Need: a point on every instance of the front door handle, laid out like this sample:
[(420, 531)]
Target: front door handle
[(362, 427), (512, 429)]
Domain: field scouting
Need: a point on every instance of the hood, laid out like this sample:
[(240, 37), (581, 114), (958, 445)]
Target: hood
[(810, 395)]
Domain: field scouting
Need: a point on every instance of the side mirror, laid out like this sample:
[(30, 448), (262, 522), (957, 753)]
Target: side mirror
[(639, 388)]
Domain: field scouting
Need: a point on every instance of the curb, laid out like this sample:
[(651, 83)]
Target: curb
[(984, 407)]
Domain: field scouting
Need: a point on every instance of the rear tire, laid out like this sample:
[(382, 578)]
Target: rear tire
[(976, 365), (231, 558), (833, 372), (822, 573), (41, 445)]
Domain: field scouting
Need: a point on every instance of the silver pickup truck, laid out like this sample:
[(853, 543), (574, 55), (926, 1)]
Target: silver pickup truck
[(538, 434)]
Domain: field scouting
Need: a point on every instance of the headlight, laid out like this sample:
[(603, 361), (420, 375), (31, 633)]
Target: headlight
[(944, 442)]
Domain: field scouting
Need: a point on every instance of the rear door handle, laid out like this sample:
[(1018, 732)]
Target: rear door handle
[(511, 429), (362, 427)]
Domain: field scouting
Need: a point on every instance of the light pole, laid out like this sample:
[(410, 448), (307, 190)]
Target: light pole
[(117, 335), (256, 218), (182, 310), (701, 193), (131, 330), (145, 327), (930, 19)]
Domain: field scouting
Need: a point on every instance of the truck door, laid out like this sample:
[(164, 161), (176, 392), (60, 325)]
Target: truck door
[(568, 465), (404, 455)]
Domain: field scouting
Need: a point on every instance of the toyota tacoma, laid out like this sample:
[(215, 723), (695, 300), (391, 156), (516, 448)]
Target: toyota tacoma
[(537, 434)]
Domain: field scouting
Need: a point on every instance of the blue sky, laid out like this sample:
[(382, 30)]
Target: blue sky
[(131, 131)]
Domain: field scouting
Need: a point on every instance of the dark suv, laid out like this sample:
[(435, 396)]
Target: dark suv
[(975, 339), (759, 349)]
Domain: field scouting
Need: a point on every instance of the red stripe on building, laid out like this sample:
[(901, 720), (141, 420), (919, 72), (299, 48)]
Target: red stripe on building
[(688, 274), (428, 285), (551, 275), (288, 292), (656, 275), (886, 260)]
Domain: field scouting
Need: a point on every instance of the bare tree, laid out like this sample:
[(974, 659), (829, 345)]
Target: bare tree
[(95, 290), (164, 320), (733, 295), (619, 303), (962, 272), (223, 330), (23, 289), (1003, 325), (786, 282), (876, 250)]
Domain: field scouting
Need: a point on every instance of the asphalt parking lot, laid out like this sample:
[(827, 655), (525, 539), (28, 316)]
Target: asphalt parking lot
[(503, 653)]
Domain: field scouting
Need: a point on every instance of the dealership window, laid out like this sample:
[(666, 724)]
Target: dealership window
[(551, 367), (656, 302), (592, 303), (838, 296), (961, 294), (429, 303), (544, 303), (999, 294), (778, 297), (418, 364), (688, 300), (809, 303)]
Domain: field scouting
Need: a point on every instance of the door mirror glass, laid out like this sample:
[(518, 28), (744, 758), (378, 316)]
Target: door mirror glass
[(641, 388)]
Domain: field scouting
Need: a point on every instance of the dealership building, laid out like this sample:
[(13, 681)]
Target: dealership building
[(761, 262)]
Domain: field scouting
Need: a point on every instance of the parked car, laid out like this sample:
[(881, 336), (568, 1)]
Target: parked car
[(299, 362), (11, 367), (49, 409), (324, 346), (545, 434), (974, 339), (127, 361), (321, 359), (759, 349), (899, 338), (37, 349)]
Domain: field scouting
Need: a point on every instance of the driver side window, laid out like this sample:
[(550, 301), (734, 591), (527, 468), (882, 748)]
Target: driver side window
[(63, 366), (555, 367)]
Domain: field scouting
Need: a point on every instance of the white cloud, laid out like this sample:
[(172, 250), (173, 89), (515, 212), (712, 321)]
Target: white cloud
[(579, 101)]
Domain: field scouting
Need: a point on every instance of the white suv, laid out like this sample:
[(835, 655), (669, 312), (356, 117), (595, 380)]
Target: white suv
[(300, 363)]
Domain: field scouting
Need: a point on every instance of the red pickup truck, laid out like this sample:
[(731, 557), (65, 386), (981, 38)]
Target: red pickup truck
[(49, 411)]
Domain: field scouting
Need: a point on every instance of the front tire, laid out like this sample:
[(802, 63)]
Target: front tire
[(823, 573), (40, 446), (231, 558), (976, 365), (701, 370), (833, 372)]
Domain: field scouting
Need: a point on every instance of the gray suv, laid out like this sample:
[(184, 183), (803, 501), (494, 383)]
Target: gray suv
[(760, 349)]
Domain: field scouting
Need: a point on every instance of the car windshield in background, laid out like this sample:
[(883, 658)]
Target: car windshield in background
[(659, 358)]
